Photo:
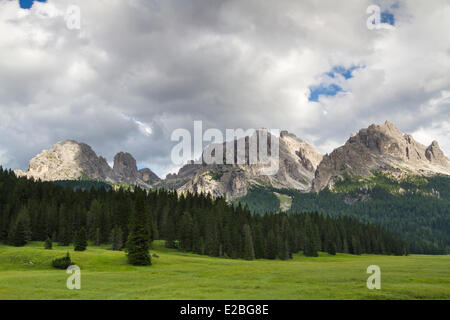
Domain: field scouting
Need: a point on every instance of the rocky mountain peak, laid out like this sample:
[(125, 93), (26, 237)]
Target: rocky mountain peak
[(298, 161), (69, 160), (434, 154), (125, 167), (148, 176), (380, 148)]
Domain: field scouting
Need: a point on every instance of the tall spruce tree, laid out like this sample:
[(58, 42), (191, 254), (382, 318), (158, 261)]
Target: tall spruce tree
[(98, 240), (48, 243), (18, 236), (116, 238), (186, 228), (271, 246), (138, 244), (81, 240), (331, 248), (311, 246), (249, 251), (356, 245)]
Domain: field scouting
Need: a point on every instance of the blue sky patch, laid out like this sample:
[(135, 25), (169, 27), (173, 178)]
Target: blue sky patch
[(387, 17), (346, 73), (331, 89), (27, 4), (323, 90)]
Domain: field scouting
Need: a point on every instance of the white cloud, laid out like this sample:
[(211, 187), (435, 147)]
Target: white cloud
[(232, 64)]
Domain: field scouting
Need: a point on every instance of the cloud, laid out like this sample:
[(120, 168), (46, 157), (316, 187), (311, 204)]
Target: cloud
[(137, 70)]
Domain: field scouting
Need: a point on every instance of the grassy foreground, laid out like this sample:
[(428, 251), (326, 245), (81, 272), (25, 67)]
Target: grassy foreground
[(105, 274)]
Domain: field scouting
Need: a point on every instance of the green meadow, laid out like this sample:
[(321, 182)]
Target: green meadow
[(26, 273)]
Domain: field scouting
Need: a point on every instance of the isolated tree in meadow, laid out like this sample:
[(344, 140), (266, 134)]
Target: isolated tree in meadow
[(81, 240), (138, 244), (48, 243)]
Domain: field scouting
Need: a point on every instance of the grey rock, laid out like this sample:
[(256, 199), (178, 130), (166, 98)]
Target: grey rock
[(69, 160), (298, 161), (381, 148)]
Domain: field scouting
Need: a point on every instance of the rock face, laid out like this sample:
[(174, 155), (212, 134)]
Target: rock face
[(381, 148), (378, 148), (298, 161), (69, 160), (125, 168), (148, 176)]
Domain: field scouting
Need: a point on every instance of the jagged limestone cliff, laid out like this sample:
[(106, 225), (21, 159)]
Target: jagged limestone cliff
[(69, 160), (382, 148)]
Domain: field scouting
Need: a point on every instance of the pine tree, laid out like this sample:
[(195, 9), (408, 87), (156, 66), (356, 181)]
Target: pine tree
[(259, 242), (311, 237), (212, 243), (331, 248), (81, 240), (198, 243), (249, 252), (356, 245), (18, 237), (48, 243), (186, 228), (138, 243), (345, 244), (117, 238), (64, 236), (311, 246), (283, 246), (97, 237), (271, 246), (24, 216), (53, 237)]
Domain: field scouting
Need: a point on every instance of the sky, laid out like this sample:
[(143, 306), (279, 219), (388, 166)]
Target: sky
[(136, 70)]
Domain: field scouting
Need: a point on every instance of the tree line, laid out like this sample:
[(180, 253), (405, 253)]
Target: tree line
[(420, 214), (132, 219)]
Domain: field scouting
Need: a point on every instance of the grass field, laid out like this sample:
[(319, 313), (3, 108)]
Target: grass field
[(105, 274)]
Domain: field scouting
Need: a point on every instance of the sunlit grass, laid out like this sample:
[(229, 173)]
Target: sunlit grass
[(177, 275)]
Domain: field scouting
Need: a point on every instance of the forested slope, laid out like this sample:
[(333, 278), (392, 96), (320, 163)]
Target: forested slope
[(196, 223), (416, 208)]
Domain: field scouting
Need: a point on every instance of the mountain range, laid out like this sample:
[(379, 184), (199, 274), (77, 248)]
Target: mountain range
[(71, 160), (378, 148)]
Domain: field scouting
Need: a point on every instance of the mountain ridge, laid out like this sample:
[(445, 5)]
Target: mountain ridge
[(381, 148), (71, 160), (378, 148)]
